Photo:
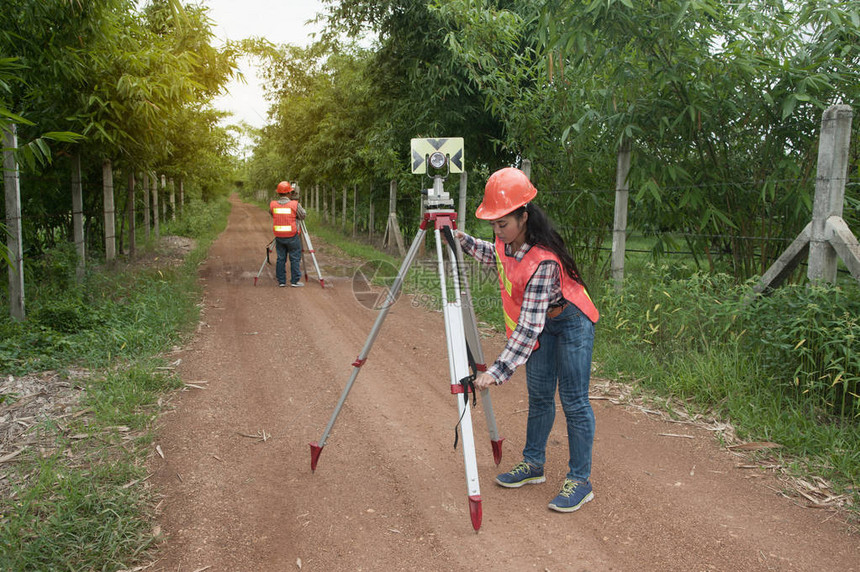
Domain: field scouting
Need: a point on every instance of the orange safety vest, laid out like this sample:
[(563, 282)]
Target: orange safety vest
[(284, 218), (514, 276)]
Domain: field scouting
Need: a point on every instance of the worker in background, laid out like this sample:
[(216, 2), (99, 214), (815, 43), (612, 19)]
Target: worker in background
[(286, 212)]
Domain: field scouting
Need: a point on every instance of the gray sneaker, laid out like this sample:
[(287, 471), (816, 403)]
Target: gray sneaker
[(298, 285)]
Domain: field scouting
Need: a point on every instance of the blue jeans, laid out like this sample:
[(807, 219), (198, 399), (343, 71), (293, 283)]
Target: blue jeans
[(291, 245), (563, 360)]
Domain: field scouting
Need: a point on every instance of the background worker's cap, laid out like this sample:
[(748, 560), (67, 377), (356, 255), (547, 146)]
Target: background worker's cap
[(507, 190), (284, 187)]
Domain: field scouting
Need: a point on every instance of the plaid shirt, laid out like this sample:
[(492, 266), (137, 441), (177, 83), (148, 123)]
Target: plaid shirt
[(542, 291)]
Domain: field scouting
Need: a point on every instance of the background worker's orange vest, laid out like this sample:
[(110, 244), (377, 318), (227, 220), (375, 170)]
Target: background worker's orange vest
[(514, 277), (284, 218)]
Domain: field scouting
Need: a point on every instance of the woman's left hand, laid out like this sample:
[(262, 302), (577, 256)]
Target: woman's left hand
[(483, 381)]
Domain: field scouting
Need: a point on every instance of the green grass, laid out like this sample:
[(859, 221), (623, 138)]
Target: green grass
[(783, 368), (81, 506), (73, 519)]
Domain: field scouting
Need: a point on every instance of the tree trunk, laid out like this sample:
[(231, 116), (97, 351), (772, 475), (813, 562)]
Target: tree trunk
[(619, 232), (147, 223), (163, 192), (132, 242), (172, 199), (155, 217), (12, 186), (109, 213), (78, 216)]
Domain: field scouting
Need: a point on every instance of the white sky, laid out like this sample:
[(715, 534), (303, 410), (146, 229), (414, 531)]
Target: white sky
[(280, 22)]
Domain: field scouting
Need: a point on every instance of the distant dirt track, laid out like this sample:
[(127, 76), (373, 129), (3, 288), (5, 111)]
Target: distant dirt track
[(389, 492)]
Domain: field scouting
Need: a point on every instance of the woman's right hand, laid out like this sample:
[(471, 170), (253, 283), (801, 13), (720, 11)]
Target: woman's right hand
[(484, 380)]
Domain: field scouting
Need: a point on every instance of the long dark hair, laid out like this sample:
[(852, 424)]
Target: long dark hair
[(540, 232)]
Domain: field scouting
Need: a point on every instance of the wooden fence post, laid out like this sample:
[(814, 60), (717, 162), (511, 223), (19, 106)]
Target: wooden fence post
[(619, 228), (14, 243), (527, 168), (155, 214), (354, 209), (78, 216), (147, 223), (370, 217), (181, 195), (343, 210), (132, 239), (163, 190), (462, 205), (109, 212), (392, 229), (172, 199)]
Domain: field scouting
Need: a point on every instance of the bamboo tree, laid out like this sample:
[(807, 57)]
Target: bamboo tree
[(721, 103)]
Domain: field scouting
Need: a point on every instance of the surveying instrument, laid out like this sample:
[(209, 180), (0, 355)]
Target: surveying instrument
[(441, 157)]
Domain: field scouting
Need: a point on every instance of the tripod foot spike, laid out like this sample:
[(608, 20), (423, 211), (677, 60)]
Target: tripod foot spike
[(255, 280), (475, 511), (316, 449), (322, 282), (497, 450)]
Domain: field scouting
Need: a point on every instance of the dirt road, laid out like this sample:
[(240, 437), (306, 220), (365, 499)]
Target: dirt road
[(389, 492)]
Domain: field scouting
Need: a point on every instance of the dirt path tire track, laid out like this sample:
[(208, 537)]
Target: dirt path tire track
[(389, 492)]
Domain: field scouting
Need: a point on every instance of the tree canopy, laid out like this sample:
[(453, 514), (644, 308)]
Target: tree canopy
[(107, 80), (720, 103)]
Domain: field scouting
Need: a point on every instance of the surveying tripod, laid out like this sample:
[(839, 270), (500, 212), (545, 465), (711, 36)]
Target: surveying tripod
[(461, 333), (269, 248), (307, 237)]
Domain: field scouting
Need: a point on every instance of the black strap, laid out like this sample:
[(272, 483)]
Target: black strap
[(468, 384), (449, 236)]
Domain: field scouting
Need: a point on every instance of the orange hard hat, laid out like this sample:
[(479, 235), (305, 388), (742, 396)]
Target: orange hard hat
[(284, 187), (507, 190)]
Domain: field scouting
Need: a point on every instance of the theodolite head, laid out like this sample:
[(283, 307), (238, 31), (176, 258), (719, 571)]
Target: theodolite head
[(437, 158)]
